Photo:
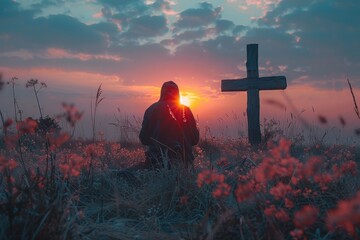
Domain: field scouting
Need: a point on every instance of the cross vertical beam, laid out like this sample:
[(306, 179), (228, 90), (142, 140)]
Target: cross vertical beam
[(253, 84), (253, 99)]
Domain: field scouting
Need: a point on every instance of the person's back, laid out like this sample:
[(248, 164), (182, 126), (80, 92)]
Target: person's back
[(169, 128)]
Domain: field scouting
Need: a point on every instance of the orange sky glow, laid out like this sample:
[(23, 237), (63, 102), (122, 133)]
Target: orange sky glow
[(224, 113)]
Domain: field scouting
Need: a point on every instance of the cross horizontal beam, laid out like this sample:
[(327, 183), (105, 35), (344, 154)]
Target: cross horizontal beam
[(262, 83)]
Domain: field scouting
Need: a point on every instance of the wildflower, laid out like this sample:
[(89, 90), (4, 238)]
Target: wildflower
[(72, 115), (282, 215), (270, 211), (282, 150), (349, 167), (323, 180), (8, 123), (221, 190), (265, 171), (305, 217), (243, 192), (115, 150), (280, 190), (208, 177), (72, 165), (95, 150), (297, 234), (346, 216), (204, 177), (29, 125), (312, 166), (57, 140), (288, 203), (31, 83), (217, 177)]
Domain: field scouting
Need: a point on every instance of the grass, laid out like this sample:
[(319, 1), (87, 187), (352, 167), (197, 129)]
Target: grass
[(54, 186), (119, 201)]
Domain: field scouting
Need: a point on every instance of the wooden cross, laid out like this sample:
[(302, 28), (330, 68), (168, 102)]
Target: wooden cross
[(253, 84)]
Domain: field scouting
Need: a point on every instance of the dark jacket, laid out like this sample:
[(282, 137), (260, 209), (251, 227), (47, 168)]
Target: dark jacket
[(169, 126)]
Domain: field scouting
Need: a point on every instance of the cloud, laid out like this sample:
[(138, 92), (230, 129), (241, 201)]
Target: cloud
[(23, 31), (133, 40), (146, 26), (222, 25), (165, 6), (197, 17), (123, 5), (239, 29), (190, 35), (105, 28), (325, 33)]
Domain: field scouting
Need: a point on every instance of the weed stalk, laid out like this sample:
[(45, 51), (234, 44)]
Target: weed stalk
[(356, 108), (33, 83), (98, 100)]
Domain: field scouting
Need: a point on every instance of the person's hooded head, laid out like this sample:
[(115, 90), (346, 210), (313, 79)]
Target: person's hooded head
[(170, 92)]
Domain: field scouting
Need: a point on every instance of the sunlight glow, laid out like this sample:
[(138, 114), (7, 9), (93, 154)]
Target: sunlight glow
[(185, 100)]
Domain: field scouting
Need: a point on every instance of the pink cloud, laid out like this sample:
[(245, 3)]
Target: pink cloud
[(22, 54), (98, 15), (55, 53)]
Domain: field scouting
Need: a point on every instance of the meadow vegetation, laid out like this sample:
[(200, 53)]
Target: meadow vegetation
[(54, 186)]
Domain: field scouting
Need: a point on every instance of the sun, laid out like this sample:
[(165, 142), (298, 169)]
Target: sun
[(185, 100)]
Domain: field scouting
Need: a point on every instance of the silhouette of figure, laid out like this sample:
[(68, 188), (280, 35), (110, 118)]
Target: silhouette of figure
[(169, 129)]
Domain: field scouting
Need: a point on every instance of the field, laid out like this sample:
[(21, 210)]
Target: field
[(54, 186)]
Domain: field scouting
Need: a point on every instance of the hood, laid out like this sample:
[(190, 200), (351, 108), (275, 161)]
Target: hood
[(170, 92)]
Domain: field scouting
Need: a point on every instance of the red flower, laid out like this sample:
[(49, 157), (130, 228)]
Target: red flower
[(58, 140), (305, 217), (297, 234), (280, 190), (204, 177), (323, 180), (208, 177), (265, 171), (282, 215), (222, 190), (312, 166), (95, 150), (72, 165), (270, 211), (346, 216), (282, 150), (288, 203), (8, 123), (72, 115), (349, 167), (243, 192), (29, 125)]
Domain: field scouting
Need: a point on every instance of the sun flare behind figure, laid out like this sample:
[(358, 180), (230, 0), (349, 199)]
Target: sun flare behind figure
[(185, 100)]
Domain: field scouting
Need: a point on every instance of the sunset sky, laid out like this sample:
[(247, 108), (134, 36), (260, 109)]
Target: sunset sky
[(132, 46)]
